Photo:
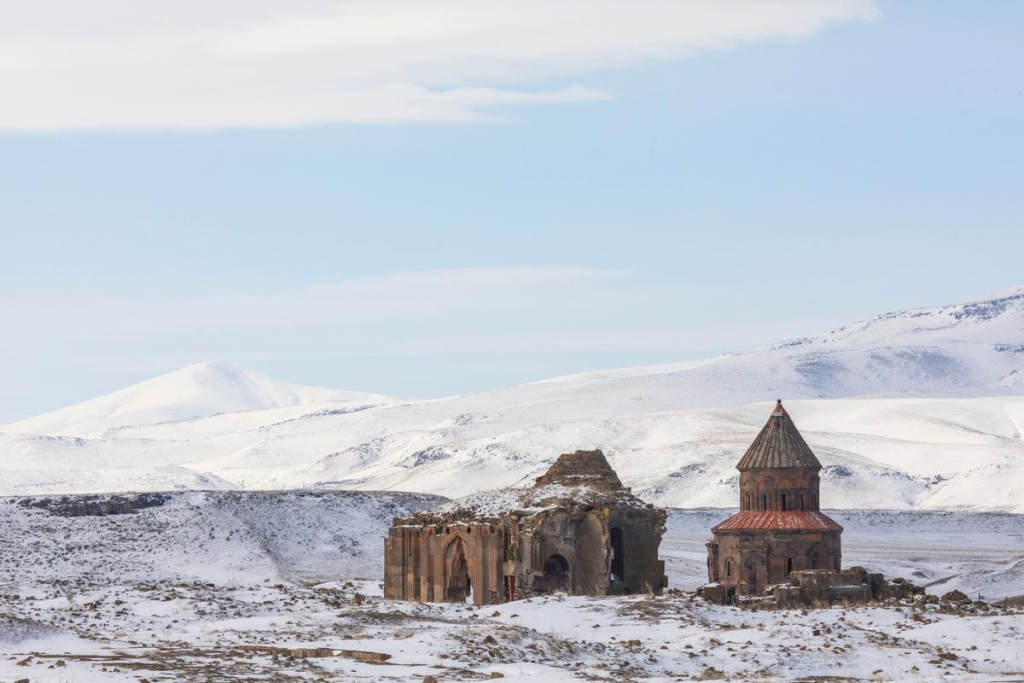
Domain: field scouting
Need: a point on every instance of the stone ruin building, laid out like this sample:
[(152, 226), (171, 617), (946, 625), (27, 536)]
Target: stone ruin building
[(577, 530), (779, 528)]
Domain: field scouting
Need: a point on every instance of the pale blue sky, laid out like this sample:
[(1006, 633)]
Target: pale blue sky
[(690, 204)]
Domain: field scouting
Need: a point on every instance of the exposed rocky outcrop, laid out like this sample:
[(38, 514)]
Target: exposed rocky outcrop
[(95, 505)]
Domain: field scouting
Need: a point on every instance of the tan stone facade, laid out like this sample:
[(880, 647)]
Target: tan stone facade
[(444, 564), (780, 528), (578, 531)]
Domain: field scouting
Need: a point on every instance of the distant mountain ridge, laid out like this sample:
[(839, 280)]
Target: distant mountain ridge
[(920, 408), (199, 390)]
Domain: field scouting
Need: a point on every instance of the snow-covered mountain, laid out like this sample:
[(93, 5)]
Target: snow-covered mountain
[(195, 391), (922, 408)]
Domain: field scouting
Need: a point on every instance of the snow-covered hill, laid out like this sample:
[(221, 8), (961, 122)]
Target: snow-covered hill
[(198, 390), (226, 536), (923, 408)]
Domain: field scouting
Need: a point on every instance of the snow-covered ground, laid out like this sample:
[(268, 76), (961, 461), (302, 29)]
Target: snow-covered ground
[(173, 591), (920, 409), (237, 536)]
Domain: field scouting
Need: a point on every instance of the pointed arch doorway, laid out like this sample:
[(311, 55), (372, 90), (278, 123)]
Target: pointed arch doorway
[(457, 581)]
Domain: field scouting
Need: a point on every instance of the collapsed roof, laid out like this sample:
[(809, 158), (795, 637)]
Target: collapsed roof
[(582, 479)]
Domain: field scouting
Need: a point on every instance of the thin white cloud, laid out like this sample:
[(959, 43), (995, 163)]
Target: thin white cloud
[(191, 64)]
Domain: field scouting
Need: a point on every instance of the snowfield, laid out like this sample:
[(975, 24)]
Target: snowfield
[(176, 589), (922, 409), (236, 536)]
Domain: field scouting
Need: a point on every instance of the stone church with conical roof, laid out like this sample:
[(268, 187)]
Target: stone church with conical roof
[(779, 528)]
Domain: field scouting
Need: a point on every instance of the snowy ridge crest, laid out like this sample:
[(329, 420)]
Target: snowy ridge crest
[(917, 409)]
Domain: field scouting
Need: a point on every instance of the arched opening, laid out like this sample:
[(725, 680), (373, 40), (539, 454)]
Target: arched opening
[(802, 504), (728, 568), (458, 585), (765, 498), (746, 503), (752, 577), (789, 566), (618, 556), (783, 501), (556, 574), (818, 558)]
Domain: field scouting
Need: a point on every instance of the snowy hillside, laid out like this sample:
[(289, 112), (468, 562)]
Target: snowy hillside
[(234, 536), (195, 587), (198, 390), (240, 537), (919, 409)]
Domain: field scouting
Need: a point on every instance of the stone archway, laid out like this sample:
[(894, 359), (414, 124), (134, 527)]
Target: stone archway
[(753, 578), (556, 574), (818, 557), (784, 491), (765, 494), (457, 581)]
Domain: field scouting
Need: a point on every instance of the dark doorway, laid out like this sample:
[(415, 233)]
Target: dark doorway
[(556, 574), (618, 556), (459, 585), (789, 566)]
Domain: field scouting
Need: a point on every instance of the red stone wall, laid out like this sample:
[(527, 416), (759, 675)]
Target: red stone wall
[(790, 489), (748, 562)]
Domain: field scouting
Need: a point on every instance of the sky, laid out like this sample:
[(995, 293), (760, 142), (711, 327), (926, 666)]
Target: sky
[(433, 198)]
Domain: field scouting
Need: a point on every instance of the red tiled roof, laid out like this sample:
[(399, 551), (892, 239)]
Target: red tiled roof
[(778, 521)]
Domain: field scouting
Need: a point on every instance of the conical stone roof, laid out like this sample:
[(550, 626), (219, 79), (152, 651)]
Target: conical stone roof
[(778, 445)]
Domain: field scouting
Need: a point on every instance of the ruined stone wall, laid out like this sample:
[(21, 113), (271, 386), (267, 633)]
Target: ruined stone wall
[(565, 551), (641, 532), (444, 564), (562, 550), (582, 468)]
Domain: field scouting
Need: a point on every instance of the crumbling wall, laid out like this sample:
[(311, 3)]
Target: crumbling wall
[(583, 468), (641, 531), (818, 588), (419, 563), (572, 532)]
